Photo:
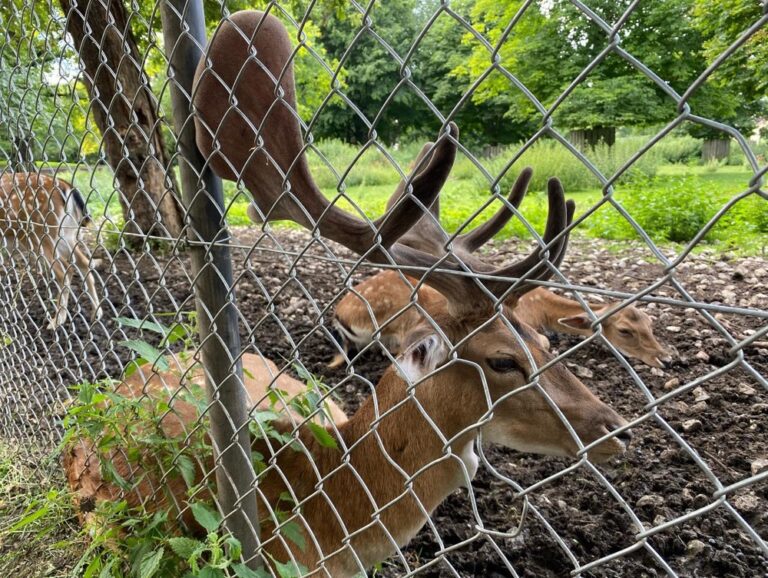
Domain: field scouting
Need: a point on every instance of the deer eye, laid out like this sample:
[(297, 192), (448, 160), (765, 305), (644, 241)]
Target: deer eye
[(626, 332), (503, 364)]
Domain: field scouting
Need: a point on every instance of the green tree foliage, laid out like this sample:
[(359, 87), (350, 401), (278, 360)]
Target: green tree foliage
[(552, 43), (736, 91), (370, 49)]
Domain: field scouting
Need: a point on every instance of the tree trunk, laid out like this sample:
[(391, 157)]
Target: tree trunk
[(583, 139), (125, 110), (715, 149)]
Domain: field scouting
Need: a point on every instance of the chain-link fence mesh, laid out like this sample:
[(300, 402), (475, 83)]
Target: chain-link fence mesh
[(115, 240)]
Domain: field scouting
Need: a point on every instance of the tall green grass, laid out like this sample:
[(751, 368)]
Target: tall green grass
[(671, 200)]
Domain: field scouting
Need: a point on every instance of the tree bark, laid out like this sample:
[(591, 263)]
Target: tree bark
[(715, 149), (589, 138), (125, 110)]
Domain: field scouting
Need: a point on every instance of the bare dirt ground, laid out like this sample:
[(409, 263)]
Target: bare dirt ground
[(582, 514)]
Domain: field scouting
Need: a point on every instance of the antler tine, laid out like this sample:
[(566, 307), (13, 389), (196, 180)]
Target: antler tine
[(558, 219), (248, 128), (404, 216), (477, 237), (427, 148), (465, 292), (426, 235)]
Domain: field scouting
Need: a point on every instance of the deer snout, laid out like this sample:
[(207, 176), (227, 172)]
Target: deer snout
[(610, 422)]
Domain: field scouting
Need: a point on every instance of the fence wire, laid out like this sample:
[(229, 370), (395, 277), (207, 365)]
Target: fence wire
[(392, 430)]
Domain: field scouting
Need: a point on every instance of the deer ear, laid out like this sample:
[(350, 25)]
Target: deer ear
[(421, 358), (581, 321)]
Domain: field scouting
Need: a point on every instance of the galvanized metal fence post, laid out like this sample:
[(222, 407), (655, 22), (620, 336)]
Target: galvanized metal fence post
[(184, 35)]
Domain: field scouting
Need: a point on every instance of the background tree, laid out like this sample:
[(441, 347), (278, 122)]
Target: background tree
[(554, 42), (372, 73), (125, 110), (736, 92)]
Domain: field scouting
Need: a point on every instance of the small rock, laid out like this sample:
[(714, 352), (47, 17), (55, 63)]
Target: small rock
[(699, 407), (672, 383), (678, 406), (745, 389), (650, 501), (657, 372), (702, 356), (747, 502), (759, 465), (695, 547), (738, 275), (700, 394), (692, 425), (673, 328), (584, 373)]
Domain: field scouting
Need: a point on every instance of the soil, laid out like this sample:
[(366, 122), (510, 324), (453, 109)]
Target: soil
[(576, 516)]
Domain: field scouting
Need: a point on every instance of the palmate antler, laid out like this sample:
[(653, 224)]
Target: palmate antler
[(248, 128)]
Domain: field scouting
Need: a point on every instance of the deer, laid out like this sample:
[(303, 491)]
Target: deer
[(43, 215), (472, 371), (627, 328), (82, 463), (378, 307)]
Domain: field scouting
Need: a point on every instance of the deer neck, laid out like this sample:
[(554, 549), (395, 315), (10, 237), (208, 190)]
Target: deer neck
[(396, 471)]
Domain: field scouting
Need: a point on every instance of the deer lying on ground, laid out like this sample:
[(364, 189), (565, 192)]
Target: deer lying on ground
[(379, 308), (42, 215), (472, 368), (629, 329), (82, 464)]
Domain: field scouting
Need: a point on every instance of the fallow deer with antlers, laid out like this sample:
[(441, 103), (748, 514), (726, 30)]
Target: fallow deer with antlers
[(473, 368), (43, 215)]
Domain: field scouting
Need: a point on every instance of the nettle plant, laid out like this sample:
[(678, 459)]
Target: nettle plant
[(136, 542)]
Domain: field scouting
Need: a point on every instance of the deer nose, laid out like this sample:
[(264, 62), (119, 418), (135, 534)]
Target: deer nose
[(624, 436)]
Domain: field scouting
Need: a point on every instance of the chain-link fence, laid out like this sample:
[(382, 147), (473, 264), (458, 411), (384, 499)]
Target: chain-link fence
[(374, 391)]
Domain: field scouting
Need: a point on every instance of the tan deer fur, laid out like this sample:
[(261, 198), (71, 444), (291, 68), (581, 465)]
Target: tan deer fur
[(81, 463), (43, 215), (411, 444)]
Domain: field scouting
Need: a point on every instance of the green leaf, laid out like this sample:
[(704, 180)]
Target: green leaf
[(210, 572), (148, 352), (242, 571), (292, 531), (29, 518), (107, 571), (206, 517), (185, 548), (178, 332), (234, 547), (322, 435), (186, 469), (142, 324), (150, 563), (289, 569), (93, 567), (265, 416)]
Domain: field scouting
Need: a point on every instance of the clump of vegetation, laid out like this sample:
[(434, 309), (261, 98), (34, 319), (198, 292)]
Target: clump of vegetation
[(130, 538), (673, 210)]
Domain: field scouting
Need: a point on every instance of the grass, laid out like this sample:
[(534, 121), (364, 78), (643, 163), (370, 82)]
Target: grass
[(38, 533), (650, 191)]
